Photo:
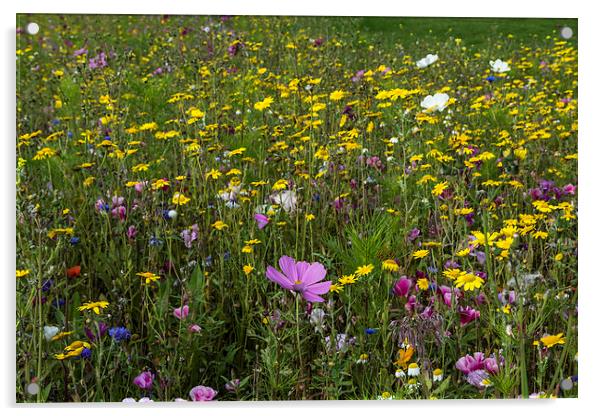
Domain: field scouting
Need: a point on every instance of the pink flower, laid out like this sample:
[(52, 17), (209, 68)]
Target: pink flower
[(301, 277), (262, 220), (144, 380), (468, 314), (202, 394), (468, 363), (194, 328), (402, 287), (181, 313)]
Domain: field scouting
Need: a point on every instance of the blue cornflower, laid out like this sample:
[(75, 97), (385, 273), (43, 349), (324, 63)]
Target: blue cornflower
[(227, 256), (155, 242), (86, 353), (370, 331), (119, 334), (58, 303), (47, 285), (166, 214), (490, 78), (74, 240)]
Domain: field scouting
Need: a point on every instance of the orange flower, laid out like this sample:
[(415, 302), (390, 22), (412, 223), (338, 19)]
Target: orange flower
[(74, 272)]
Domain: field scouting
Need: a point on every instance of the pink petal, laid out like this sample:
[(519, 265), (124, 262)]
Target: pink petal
[(310, 297), (302, 267), (277, 277), (314, 273), (287, 265), (319, 288)]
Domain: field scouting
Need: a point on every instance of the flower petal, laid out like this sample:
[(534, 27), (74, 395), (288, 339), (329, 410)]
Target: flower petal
[(314, 273), (288, 267), (319, 288), (277, 277), (310, 297)]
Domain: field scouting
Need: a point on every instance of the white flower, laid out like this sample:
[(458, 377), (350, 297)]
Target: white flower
[(394, 140), (50, 331), (399, 373), (413, 370), (435, 102), (286, 199), (437, 374), (499, 66), (427, 60), (128, 400), (316, 318), (172, 213)]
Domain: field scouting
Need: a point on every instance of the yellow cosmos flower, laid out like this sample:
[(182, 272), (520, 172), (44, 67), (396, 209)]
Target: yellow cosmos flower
[(419, 254), (439, 188), (348, 279), (44, 153), (148, 277), (96, 307), (262, 105), (364, 270), (336, 288), (219, 225), (551, 340), (247, 269), (390, 265), (22, 273), (213, 174), (337, 95), (469, 281), (423, 284), (180, 199)]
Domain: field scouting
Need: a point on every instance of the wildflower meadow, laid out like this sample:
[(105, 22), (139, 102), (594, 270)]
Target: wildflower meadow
[(223, 208)]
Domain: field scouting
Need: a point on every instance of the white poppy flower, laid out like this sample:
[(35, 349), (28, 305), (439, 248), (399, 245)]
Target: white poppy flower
[(427, 60), (50, 331), (499, 66), (435, 102)]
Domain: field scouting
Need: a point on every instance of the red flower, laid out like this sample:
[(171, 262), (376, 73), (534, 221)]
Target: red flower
[(74, 272)]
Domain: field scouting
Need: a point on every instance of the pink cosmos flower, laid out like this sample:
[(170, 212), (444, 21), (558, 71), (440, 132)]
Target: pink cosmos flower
[(301, 277), (181, 313), (202, 394), (262, 220)]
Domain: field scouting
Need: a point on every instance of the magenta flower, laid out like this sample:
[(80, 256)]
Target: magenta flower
[(468, 363), (262, 220), (144, 380), (402, 287), (468, 314), (181, 313), (202, 394), (193, 328), (301, 277)]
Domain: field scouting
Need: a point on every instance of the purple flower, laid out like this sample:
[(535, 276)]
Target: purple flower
[(413, 235), (468, 314), (402, 287), (189, 235), (99, 61), (476, 378), (301, 277), (81, 51), (93, 335), (232, 385), (144, 380), (261, 220), (202, 394), (468, 363), (131, 233)]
